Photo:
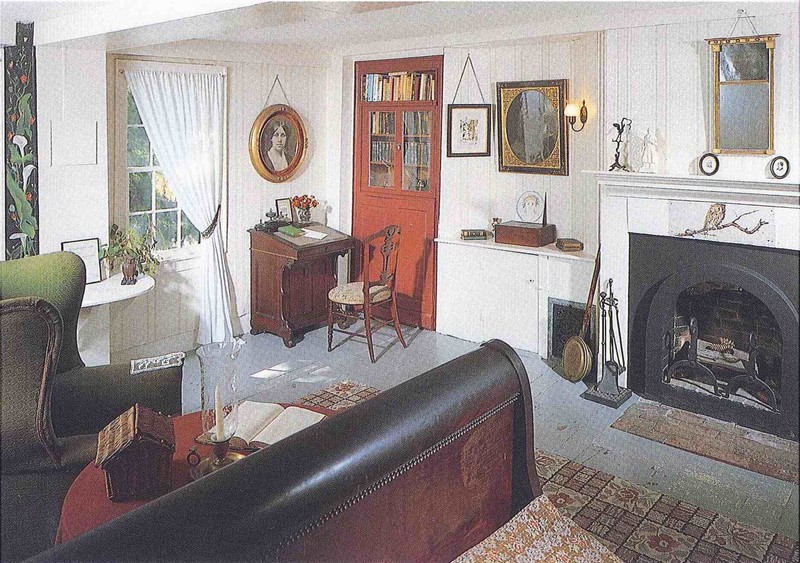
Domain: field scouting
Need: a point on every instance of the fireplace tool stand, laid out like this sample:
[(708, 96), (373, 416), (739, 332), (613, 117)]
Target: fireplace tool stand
[(607, 391)]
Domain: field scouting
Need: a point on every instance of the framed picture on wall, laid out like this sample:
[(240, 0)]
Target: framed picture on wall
[(89, 251), (278, 143), (284, 208), (531, 129), (469, 129)]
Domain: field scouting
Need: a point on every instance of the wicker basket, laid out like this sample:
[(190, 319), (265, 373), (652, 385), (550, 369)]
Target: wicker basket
[(135, 451)]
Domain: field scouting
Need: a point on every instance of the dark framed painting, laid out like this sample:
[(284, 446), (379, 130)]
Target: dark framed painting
[(89, 251), (531, 129), (278, 143), (469, 129)]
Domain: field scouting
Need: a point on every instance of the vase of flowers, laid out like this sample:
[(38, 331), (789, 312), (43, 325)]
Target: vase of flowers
[(304, 203), (134, 251)]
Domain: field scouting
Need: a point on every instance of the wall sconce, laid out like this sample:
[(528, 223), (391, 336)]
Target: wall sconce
[(571, 111)]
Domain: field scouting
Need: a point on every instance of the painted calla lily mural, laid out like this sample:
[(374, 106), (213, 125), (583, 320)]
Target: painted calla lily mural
[(21, 161)]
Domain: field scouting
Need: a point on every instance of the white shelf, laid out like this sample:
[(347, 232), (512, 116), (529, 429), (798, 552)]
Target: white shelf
[(111, 290), (549, 251)]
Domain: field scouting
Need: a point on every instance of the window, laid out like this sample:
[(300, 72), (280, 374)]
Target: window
[(150, 200)]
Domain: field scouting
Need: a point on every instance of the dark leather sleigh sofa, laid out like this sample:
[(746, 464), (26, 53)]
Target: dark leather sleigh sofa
[(422, 472)]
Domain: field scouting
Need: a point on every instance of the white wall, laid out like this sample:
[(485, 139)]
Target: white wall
[(73, 198), (660, 77)]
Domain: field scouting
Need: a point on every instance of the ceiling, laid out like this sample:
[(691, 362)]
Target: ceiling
[(308, 23)]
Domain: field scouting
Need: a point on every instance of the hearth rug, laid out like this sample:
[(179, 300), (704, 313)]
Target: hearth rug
[(639, 525), (714, 439)]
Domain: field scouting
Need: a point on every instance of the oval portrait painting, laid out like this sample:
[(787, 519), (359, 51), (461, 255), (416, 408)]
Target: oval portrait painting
[(532, 127), (277, 143)]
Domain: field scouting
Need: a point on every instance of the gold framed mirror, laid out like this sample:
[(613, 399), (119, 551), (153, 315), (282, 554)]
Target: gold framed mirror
[(743, 94)]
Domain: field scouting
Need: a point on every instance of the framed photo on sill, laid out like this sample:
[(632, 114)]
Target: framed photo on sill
[(284, 208), (89, 251), (531, 129), (469, 129)]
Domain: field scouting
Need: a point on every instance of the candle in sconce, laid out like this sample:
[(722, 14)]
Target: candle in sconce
[(218, 413)]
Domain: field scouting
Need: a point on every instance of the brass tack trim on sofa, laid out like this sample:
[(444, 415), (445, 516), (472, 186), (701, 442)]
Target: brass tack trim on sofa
[(399, 471)]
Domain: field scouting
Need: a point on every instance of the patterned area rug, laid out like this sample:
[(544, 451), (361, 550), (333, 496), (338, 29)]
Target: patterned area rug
[(714, 439), (340, 396), (644, 526), (638, 524)]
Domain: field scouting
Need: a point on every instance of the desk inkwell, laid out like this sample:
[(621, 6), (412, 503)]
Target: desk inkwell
[(272, 224)]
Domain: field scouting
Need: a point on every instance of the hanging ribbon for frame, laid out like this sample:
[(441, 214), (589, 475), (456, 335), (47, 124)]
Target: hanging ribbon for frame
[(740, 15), (278, 82), (474, 74)]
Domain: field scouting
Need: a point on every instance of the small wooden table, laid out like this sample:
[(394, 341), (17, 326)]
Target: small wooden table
[(290, 278)]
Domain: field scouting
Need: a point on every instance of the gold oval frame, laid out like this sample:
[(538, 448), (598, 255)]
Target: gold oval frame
[(258, 152)]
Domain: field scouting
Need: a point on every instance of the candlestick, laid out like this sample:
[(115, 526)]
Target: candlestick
[(218, 412)]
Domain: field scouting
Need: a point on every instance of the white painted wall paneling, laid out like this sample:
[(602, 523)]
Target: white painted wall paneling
[(660, 76)]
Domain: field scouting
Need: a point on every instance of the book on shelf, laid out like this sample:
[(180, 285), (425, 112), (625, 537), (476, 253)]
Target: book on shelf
[(475, 234), (569, 244), (263, 424), (398, 86)]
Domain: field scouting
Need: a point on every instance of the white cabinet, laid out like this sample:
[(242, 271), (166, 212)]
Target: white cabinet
[(487, 290), (488, 293)]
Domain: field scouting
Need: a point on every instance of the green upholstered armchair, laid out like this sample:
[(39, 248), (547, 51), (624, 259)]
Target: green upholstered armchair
[(37, 467), (84, 399)]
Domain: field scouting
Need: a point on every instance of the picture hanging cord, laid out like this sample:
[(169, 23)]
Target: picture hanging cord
[(278, 82), (742, 13), (469, 60)]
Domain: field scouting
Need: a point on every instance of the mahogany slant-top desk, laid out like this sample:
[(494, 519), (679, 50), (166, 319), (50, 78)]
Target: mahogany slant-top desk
[(290, 278)]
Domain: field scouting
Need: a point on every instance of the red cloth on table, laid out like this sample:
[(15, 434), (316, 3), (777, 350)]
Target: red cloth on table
[(87, 505)]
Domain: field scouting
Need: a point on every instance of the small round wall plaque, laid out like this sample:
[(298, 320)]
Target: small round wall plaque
[(709, 164), (779, 167)]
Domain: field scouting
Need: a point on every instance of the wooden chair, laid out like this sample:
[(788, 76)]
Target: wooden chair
[(362, 297)]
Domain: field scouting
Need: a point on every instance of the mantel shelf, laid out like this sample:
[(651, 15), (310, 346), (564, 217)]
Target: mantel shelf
[(549, 250), (775, 193)]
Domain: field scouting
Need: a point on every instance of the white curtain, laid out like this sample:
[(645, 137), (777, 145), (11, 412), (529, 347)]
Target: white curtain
[(183, 114)]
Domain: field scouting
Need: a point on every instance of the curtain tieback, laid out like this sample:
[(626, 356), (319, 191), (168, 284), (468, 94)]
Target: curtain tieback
[(214, 222)]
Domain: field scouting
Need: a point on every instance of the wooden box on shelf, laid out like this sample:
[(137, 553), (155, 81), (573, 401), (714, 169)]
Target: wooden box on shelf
[(525, 234)]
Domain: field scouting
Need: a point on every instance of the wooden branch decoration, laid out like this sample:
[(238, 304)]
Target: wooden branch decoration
[(720, 226)]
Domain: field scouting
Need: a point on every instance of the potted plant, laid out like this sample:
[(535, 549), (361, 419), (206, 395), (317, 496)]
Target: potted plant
[(134, 251)]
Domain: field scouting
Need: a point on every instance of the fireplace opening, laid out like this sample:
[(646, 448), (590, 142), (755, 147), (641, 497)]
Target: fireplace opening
[(726, 342), (713, 329)]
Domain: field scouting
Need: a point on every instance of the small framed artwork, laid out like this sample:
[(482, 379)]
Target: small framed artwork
[(531, 129), (284, 208), (469, 129), (779, 167), (278, 143), (709, 164), (89, 251)]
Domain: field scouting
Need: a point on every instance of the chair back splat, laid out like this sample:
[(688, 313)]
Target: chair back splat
[(355, 301)]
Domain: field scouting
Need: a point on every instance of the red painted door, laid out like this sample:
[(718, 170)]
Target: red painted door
[(397, 169)]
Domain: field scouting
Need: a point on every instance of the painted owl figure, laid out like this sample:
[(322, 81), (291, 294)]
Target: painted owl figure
[(714, 216)]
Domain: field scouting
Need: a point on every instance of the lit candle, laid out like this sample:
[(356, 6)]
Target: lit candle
[(218, 412)]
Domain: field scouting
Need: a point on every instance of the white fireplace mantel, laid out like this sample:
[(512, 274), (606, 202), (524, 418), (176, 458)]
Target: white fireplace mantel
[(643, 203), (774, 193)]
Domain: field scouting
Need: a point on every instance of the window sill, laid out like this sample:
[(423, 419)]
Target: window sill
[(179, 254)]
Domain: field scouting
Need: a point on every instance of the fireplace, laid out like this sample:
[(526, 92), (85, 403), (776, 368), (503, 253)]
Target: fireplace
[(713, 329)]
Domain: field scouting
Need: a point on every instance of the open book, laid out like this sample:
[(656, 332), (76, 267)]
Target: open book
[(263, 424)]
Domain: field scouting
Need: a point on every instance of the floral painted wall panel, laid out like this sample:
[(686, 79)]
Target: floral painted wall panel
[(21, 154)]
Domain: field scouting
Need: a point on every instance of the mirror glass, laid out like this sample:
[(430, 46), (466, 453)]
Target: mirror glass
[(743, 94)]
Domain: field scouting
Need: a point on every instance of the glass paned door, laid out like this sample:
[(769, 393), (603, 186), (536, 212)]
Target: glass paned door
[(381, 151), (416, 151)]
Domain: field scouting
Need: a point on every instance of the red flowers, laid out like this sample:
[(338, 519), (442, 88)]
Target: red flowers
[(32, 120), (14, 118), (24, 78), (304, 201), (29, 196)]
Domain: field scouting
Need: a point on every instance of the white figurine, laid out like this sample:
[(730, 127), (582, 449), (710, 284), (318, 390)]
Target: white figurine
[(649, 153)]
